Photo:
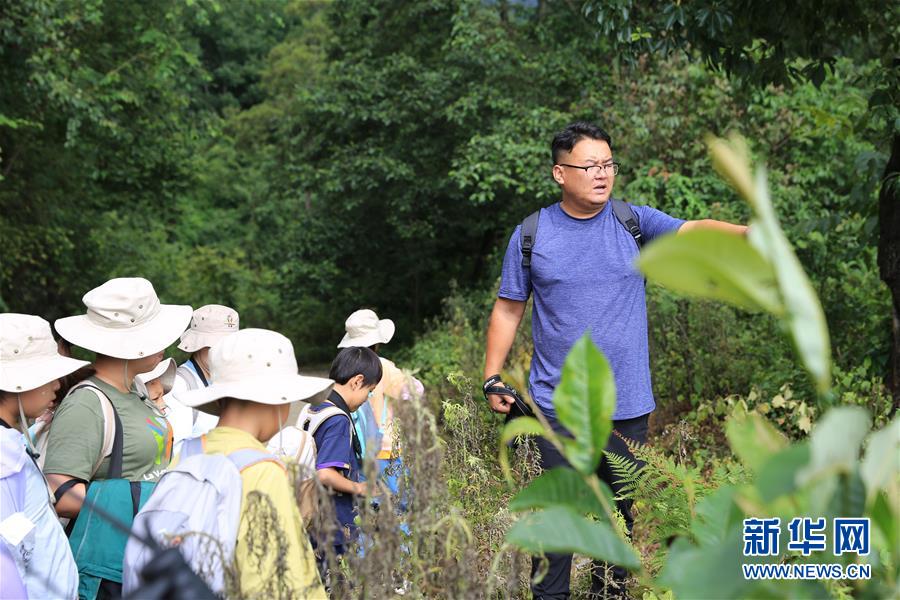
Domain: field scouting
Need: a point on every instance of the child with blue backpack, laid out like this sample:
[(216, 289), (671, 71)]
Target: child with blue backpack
[(356, 371)]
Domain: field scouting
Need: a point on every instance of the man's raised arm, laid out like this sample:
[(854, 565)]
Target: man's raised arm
[(713, 224)]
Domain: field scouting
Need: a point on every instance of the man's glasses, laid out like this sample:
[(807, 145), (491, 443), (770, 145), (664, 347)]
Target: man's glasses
[(595, 170)]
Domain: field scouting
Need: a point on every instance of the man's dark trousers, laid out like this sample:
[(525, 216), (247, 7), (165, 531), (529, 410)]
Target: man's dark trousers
[(555, 584)]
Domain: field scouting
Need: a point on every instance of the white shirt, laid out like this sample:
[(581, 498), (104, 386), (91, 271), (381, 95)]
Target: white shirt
[(186, 422), (43, 555)]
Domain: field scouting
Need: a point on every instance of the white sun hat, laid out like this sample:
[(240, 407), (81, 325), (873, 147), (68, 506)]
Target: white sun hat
[(164, 371), (125, 320), (29, 356), (256, 365), (209, 324), (365, 329)]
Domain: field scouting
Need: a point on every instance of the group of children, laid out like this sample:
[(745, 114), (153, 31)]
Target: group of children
[(86, 446)]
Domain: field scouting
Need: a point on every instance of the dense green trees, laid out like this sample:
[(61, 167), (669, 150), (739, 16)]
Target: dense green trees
[(301, 159)]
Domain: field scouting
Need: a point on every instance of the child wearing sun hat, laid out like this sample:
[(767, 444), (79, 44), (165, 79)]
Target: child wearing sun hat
[(104, 433), (31, 537), (364, 328), (254, 381), (156, 384), (210, 324)]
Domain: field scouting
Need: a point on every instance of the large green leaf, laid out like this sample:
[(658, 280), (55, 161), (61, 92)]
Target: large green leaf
[(834, 450), (562, 487), (880, 468), (519, 427), (804, 316), (753, 439), (713, 264), (778, 476), (585, 401), (836, 439), (885, 519), (715, 515), (561, 529), (710, 571)]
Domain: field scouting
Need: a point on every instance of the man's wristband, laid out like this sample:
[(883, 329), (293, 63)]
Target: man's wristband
[(490, 381)]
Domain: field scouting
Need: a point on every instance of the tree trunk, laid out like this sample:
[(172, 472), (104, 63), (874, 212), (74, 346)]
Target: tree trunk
[(889, 255)]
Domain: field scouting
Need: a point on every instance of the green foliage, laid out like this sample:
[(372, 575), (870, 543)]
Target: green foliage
[(263, 133), (585, 401), (715, 265), (666, 495), (560, 487), (710, 265), (562, 529), (754, 439), (799, 480), (748, 39)]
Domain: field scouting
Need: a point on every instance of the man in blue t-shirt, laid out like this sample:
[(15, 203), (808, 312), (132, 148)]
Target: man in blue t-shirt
[(582, 278)]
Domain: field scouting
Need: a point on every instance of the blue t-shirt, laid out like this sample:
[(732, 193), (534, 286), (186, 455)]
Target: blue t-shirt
[(334, 449), (583, 278)]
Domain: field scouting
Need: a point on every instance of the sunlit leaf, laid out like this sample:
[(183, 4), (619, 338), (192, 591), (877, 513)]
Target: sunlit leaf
[(562, 487), (713, 264), (585, 401), (561, 529), (753, 439), (803, 313), (880, 469)]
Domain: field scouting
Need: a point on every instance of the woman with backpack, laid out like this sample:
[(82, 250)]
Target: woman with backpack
[(108, 445), (30, 368), (226, 501)]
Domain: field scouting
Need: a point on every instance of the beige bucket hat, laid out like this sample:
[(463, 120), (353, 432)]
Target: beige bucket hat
[(29, 356), (125, 319), (365, 329), (164, 371), (257, 365), (209, 324)]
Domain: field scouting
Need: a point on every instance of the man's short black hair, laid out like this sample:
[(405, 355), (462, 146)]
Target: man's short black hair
[(566, 139), (354, 361)]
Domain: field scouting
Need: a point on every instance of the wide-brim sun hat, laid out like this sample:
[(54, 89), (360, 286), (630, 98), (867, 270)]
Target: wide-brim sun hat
[(209, 324), (125, 319), (365, 329), (29, 356), (164, 371), (256, 365)]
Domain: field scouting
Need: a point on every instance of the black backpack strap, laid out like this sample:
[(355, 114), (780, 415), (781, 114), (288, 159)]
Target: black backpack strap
[(118, 450), (199, 372), (527, 236), (628, 219)]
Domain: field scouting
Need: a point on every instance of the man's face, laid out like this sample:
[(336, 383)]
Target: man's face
[(589, 190)]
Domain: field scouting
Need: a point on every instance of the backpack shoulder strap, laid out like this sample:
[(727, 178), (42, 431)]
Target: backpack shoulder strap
[(628, 219), (113, 436), (247, 457), (310, 421), (527, 235), (188, 373), (192, 446)]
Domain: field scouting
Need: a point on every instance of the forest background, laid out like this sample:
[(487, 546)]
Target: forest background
[(300, 159)]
